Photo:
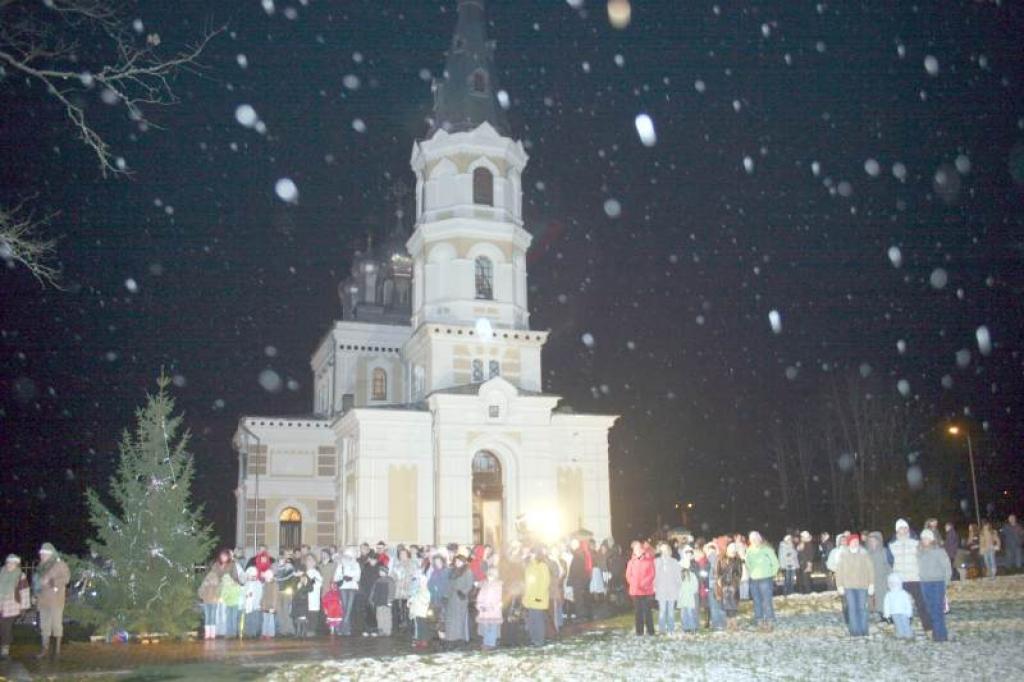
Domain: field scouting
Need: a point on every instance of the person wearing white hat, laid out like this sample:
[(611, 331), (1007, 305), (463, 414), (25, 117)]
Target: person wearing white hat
[(14, 598), (905, 563), (49, 583)]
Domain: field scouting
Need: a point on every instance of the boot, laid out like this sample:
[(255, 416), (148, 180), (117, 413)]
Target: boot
[(56, 649), (45, 651)]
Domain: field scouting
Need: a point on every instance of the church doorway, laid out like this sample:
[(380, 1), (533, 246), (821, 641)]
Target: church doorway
[(291, 529), (488, 500)]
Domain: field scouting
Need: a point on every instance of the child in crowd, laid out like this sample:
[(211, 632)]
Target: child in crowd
[(488, 609), (380, 598), (252, 621), (268, 604), (689, 592), (300, 603), (419, 610), (331, 603), (899, 607), (231, 597)]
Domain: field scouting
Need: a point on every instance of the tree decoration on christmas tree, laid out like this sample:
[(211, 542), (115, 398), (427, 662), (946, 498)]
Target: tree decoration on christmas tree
[(149, 541)]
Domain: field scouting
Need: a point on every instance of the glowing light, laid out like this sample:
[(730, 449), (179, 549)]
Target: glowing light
[(544, 523), (484, 330), (954, 430), (620, 13)]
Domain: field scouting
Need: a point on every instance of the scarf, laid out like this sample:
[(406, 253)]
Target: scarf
[(9, 583)]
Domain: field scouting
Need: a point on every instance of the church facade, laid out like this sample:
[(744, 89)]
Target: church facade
[(429, 423)]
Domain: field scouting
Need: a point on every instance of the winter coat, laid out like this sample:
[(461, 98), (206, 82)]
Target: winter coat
[(640, 575), (952, 543), (438, 585), (316, 582), (934, 566), (268, 603), (880, 562), (904, 559), (347, 573), (761, 562), (788, 558), (668, 578), (1013, 536), (456, 610), (300, 600), (53, 585), (383, 591), (209, 589), (230, 591), (331, 605), (18, 600), (579, 569), (252, 596), (689, 590), (805, 556), (897, 600), (419, 599), (856, 571), (488, 602), (404, 573), (538, 582), (730, 573), (477, 564), (989, 540)]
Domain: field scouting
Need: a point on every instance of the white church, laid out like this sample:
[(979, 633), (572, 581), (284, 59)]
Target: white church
[(430, 424)]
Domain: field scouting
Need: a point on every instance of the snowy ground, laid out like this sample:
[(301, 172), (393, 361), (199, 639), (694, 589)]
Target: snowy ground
[(810, 642)]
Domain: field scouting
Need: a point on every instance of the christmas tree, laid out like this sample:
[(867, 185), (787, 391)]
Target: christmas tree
[(149, 542)]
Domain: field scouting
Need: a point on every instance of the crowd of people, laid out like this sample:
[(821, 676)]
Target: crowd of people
[(456, 595), (430, 593)]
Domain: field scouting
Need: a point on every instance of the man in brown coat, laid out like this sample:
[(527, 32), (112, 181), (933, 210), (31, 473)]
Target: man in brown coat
[(50, 586)]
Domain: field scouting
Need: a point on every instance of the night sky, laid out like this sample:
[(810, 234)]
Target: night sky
[(796, 144)]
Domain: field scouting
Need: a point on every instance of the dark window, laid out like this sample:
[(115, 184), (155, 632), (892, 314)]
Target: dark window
[(494, 369), (484, 278), (479, 81), (483, 187), (478, 371)]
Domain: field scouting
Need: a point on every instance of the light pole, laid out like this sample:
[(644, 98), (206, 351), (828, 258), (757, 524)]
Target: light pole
[(256, 487), (955, 431)]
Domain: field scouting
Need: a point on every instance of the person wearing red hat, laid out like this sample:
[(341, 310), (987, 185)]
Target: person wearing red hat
[(855, 581)]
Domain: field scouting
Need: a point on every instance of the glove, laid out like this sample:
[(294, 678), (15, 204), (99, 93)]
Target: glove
[(871, 590), (842, 591)]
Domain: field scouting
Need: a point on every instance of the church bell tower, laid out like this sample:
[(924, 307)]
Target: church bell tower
[(469, 301)]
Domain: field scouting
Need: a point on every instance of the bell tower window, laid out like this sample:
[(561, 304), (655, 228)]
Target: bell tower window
[(479, 80), (483, 187), (484, 279)]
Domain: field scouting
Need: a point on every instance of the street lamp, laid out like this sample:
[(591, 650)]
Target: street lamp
[(256, 492), (954, 430)]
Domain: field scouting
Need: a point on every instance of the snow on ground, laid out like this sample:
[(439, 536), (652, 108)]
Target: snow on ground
[(809, 642)]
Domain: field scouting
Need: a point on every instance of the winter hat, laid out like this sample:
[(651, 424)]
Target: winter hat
[(851, 537), (927, 535), (12, 559), (875, 535), (902, 524), (805, 536), (47, 548), (731, 549), (895, 581)]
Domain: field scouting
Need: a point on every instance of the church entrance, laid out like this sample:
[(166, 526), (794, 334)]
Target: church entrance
[(488, 496), (291, 529)]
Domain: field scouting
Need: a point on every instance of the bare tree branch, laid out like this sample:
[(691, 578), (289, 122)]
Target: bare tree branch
[(21, 244), (39, 40)]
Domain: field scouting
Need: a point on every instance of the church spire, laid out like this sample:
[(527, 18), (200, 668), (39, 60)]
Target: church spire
[(467, 96)]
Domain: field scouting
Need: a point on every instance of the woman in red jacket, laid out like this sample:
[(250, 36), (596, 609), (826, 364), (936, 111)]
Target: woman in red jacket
[(640, 577)]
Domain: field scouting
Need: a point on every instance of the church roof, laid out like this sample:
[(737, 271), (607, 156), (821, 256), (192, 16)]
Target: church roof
[(467, 97), (474, 389)]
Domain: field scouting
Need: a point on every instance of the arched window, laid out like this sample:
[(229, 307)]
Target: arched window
[(478, 371), (494, 369), (479, 81), (380, 385), (290, 534), (483, 186), (484, 278)]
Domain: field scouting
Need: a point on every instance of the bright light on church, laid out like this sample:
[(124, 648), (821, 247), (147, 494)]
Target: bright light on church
[(484, 330)]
